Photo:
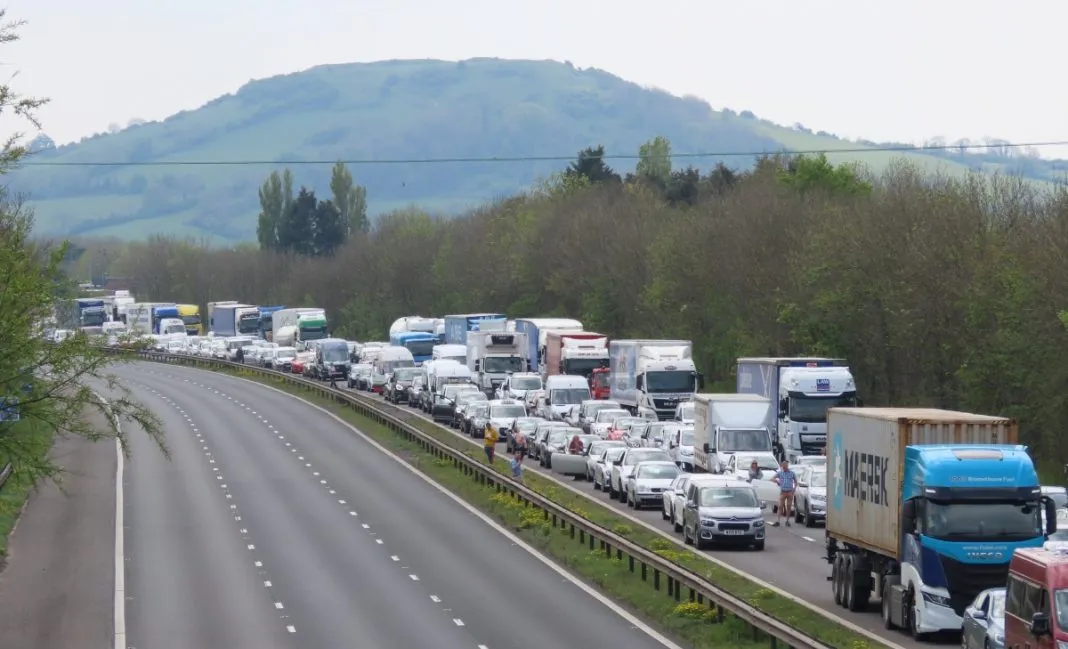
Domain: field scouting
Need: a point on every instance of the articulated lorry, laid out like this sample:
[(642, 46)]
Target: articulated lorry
[(577, 353), (802, 389), (235, 320), (288, 318), (925, 509), (212, 306), (458, 326), (494, 353), (536, 331), (414, 323), (725, 424), (267, 320), (190, 315), (81, 312), (653, 374), (420, 343)]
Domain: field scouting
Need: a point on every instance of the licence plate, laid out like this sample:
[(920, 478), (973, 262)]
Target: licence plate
[(733, 532)]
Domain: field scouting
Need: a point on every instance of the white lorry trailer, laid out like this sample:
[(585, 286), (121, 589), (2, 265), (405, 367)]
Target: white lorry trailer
[(802, 389), (725, 424), (493, 353), (289, 317), (653, 374)]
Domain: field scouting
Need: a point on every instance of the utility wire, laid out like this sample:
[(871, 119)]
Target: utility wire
[(564, 158)]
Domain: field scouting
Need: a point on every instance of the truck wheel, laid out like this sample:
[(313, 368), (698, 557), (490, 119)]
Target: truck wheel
[(836, 579), (914, 630), (847, 583)]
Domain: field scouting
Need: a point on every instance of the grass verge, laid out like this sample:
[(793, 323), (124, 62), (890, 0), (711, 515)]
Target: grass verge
[(34, 440), (690, 622)]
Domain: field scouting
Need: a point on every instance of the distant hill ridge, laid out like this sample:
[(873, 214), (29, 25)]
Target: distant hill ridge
[(405, 110)]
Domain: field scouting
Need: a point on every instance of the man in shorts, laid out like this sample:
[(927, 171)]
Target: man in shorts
[(787, 481)]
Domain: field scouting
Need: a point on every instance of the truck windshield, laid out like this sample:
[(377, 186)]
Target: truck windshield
[(93, 319), (336, 353), (982, 520), (813, 410), (421, 347), (569, 397), (743, 440), (248, 325), (673, 381), (1060, 596), (405, 373), (502, 364), (583, 366), (314, 333), (191, 319), (175, 329)]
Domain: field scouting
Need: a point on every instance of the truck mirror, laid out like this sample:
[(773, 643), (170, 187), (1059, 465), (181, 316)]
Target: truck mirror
[(476, 365), (700, 381), (783, 407), (1040, 624), (1051, 515), (705, 447), (639, 382)]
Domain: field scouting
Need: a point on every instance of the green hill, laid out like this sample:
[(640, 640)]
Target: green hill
[(390, 110)]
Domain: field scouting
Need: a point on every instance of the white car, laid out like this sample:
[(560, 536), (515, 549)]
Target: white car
[(646, 485), (603, 420), (810, 497), (1059, 539), (596, 454), (625, 465), (685, 412), (602, 468), (810, 460), (680, 446), (674, 498), (767, 490)]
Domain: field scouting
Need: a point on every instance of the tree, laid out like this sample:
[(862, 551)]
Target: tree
[(49, 384), (655, 160), (276, 196), (296, 230), (350, 199), (591, 166), (329, 229)]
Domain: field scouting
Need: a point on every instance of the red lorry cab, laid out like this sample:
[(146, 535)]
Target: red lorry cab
[(1036, 601), (599, 383)]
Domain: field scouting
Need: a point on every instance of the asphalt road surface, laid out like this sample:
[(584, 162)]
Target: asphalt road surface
[(57, 588), (793, 559), (273, 525)]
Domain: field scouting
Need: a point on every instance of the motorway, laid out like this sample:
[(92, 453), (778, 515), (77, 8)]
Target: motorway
[(275, 525), (793, 559)]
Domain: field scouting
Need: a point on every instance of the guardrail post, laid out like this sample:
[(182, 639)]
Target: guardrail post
[(572, 530), (631, 562), (671, 585), (656, 578), (645, 571)]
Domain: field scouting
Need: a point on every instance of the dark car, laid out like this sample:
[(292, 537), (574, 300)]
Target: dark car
[(415, 391), (444, 407), (396, 389), (476, 416), (459, 418)]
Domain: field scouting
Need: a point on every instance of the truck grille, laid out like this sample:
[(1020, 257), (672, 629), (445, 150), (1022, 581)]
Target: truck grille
[(966, 580)]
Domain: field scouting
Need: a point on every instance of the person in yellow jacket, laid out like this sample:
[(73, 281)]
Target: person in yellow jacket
[(489, 441)]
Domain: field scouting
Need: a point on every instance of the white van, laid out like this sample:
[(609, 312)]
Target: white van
[(392, 357), (451, 373), (430, 369), (457, 353), (562, 391)]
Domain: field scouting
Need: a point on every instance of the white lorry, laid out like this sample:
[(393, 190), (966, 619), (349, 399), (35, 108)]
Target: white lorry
[(493, 353), (802, 389), (289, 317), (725, 424), (457, 353), (414, 323), (653, 374)]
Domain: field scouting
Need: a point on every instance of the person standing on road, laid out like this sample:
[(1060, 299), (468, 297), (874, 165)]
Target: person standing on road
[(517, 466), (490, 442), (519, 444), (787, 481)]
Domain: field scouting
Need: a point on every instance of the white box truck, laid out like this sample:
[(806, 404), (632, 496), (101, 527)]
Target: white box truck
[(493, 355), (725, 424), (925, 508), (654, 374)]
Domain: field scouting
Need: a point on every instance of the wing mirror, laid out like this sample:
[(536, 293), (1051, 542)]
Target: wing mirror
[(1040, 624)]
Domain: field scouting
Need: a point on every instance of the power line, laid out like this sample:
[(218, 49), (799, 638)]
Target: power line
[(565, 158)]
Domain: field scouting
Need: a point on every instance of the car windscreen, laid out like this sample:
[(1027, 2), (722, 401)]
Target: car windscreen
[(728, 497), (510, 411), (658, 472), (634, 458)]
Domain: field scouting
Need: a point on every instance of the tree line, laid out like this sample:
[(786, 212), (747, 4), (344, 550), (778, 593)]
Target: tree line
[(940, 290)]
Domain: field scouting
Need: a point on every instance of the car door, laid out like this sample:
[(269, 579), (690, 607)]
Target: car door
[(678, 494), (732, 466), (974, 630), (689, 508)]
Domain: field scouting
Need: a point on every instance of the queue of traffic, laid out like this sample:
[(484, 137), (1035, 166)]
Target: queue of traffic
[(928, 511)]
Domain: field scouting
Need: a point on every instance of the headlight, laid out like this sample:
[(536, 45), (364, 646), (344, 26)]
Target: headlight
[(758, 522), (708, 521), (643, 489), (939, 600), (685, 451)]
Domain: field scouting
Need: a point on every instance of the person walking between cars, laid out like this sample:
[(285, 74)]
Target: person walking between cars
[(787, 481), (517, 466), (519, 444), (490, 442), (575, 447)]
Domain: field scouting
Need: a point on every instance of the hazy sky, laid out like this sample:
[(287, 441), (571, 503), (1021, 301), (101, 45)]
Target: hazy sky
[(900, 70)]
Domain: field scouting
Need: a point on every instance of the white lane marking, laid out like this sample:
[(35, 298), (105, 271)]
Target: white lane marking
[(435, 599), (378, 541), (315, 473), (322, 482), (258, 564), (482, 646), (119, 603), (518, 542), (267, 584), (810, 540), (394, 557), (353, 514), (457, 621), (366, 526), (251, 547), (278, 605), (332, 492), (414, 577), (291, 629), (341, 502)]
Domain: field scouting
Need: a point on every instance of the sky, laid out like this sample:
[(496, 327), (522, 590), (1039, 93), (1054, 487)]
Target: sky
[(902, 70)]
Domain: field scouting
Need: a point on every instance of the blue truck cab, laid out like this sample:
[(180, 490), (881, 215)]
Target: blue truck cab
[(457, 326), (420, 343), (267, 321), (161, 312), (925, 509)]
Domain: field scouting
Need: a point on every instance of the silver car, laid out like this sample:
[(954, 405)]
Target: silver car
[(810, 497), (602, 470), (726, 511), (647, 484), (983, 626)]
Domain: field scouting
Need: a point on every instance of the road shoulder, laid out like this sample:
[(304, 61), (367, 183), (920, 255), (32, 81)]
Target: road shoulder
[(57, 587)]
